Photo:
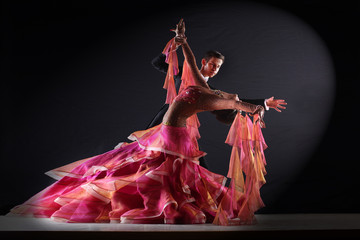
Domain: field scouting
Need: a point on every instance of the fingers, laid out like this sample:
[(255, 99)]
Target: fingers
[(279, 106), (262, 124), (180, 28), (280, 101), (181, 23), (276, 104), (260, 121)]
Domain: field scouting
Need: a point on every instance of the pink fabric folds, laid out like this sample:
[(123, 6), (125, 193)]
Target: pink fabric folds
[(168, 139), (192, 122), (151, 180), (247, 158), (172, 60)]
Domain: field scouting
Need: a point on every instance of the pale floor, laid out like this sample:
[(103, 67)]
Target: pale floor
[(268, 222)]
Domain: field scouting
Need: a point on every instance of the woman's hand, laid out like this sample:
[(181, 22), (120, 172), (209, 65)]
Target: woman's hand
[(180, 29), (259, 115), (180, 37), (180, 40)]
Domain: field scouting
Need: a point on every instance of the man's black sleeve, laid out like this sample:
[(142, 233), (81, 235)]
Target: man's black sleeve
[(255, 101), (252, 101), (159, 63)]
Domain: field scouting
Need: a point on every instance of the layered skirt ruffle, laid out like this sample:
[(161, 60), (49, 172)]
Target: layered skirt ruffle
[(154, 179)]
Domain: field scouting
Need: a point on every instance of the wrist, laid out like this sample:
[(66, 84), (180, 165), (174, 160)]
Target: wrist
[(266, 104), (180, 40), (257, 108)]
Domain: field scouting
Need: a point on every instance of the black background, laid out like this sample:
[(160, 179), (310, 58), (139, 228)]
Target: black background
[(59, 103)]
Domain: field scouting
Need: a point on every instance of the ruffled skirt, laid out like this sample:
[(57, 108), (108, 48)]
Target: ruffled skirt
[(154, 179)]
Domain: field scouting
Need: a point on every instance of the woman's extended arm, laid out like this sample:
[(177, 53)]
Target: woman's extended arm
[(211, 102)]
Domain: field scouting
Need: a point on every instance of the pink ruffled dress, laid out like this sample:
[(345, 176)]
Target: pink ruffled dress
[(157, 179), (151, 180)]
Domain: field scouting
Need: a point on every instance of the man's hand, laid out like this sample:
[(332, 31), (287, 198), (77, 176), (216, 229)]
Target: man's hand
[(276, 103)]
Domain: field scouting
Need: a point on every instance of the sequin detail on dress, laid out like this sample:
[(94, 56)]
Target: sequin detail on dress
[(190, 95)]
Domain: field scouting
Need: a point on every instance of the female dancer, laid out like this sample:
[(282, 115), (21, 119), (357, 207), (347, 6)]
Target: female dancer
[(154, 179)]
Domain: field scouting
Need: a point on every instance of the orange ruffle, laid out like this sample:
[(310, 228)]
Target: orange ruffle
[(247, 158), (172, 60)]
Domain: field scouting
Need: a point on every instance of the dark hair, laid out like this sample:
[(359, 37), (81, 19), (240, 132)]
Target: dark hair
[(226, 116), (215, 54)]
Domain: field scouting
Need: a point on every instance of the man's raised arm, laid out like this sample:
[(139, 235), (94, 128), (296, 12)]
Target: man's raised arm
[(159, 63)]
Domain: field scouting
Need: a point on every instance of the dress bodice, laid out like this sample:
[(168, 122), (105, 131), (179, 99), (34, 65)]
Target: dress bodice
[(189, 95)]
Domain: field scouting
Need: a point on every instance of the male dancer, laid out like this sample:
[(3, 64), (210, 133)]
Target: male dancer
[(210, 66)]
